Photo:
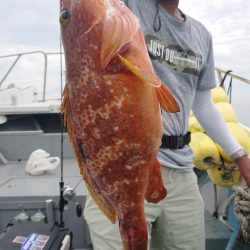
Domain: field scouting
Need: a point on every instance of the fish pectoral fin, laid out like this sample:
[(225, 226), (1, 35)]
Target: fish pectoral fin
[(165, 97), (156, 190), (120, 26), (151, 79)]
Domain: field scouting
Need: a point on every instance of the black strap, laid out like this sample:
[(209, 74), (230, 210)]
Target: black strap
[(224, 78), (175, 141)]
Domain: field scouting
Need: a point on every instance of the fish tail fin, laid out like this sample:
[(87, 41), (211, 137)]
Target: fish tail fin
[(104, 206), (156, 190)]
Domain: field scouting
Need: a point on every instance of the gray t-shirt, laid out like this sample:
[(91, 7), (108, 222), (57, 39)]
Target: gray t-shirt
[(182, 56)]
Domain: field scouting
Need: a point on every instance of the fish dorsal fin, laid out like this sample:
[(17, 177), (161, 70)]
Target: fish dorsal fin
[(120, 26), (165, 97)]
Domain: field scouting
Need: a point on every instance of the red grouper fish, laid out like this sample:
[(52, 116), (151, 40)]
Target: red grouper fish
[(111, 107)]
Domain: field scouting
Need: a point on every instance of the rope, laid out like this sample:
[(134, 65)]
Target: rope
[(157, 19), (242, 210), (230, 87), (230, 90), (215, 213), (226, 206), (224, 78)]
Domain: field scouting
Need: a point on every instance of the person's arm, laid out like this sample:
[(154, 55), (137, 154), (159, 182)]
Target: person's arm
[(215, 126)]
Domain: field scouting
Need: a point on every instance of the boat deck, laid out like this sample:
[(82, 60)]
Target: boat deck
[(15, 182), (19, 191)]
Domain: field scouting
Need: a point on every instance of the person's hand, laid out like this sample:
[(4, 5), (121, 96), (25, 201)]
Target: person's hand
[(243, 164)]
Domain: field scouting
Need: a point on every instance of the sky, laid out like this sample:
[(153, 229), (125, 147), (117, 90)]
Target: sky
[(28, 25)]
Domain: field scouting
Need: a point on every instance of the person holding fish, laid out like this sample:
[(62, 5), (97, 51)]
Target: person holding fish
[(127, 148)]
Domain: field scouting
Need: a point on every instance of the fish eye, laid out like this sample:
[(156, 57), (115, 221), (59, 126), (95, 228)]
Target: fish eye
[(64, 18)]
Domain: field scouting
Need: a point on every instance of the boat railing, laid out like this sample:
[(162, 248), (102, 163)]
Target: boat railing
[(221, 73), (16, 59)]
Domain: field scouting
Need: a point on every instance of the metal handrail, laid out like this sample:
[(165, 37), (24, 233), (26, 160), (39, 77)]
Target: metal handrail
[(18, 56), (221, 71)]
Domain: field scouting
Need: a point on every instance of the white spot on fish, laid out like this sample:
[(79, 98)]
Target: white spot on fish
[(109, 82), (96, 133), (129, 167), (119, 142), (116, 128), (93, 46), (119, 103)]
